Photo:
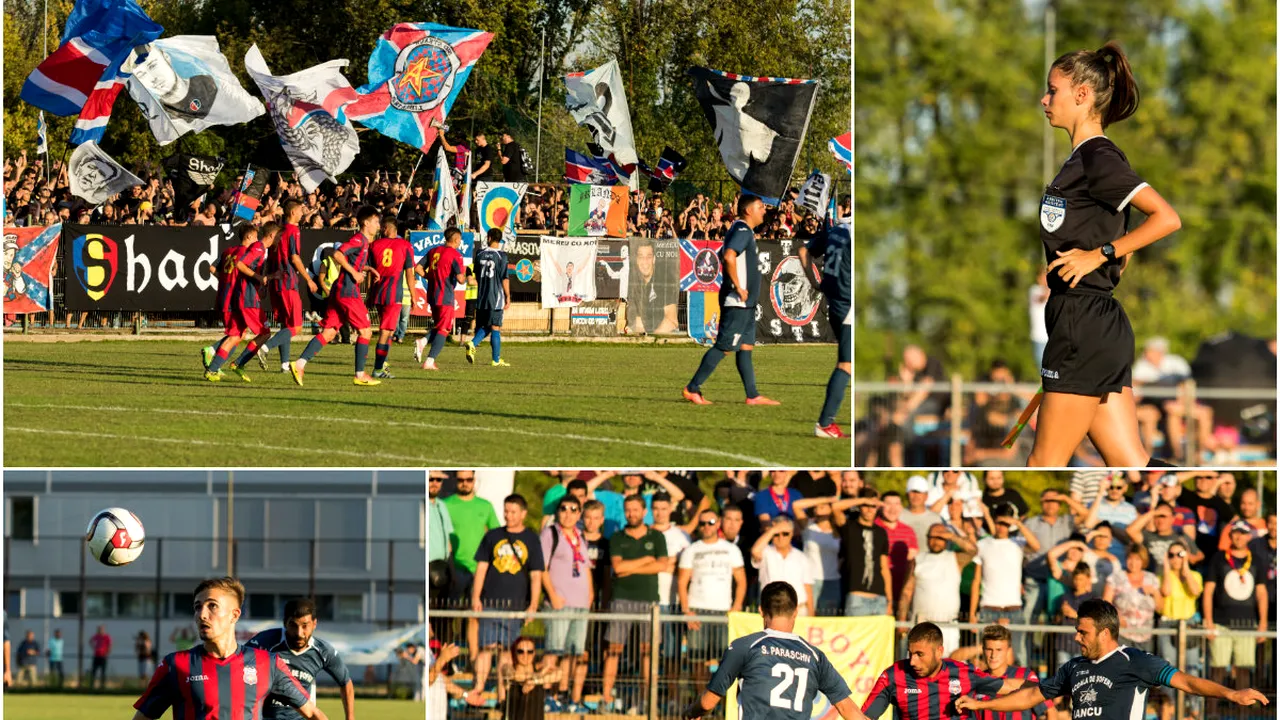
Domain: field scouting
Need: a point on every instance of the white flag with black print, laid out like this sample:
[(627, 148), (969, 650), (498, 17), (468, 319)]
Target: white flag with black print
[(95, 176), (814, 194), (597, 101), (446, 198)]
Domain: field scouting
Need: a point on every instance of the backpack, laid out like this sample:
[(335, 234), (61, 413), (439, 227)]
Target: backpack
[(526, 162), (330, 270)]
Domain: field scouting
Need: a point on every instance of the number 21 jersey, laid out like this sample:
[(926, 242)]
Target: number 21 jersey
[(780, 676)]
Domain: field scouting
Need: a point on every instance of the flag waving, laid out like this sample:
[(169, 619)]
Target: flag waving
[(306, 108), (416, 73), (580, 169), (42, 135), (670, 164), (759, 124), (446, 198), (842, 147), (596, 100), (98, 35), (96, 177)]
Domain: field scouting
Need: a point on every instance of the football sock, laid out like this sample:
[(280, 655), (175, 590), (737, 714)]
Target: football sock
[(380, 355), (219, 357), (479, 338), (281, 340), (496, 341), (248, 353), (748, 373), (362, 353), (313, 347), (710, 359), (437, 344), (836, 386)]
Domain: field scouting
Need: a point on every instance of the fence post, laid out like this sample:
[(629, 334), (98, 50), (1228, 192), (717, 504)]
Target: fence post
[(957, 419), (1178, 697), (137, 323), (25, 324), (655, 652), (1192, 432)]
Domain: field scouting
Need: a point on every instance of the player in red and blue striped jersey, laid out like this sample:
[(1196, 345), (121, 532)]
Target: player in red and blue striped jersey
[(247, 322), (246, 236), (345, 303), (288, 272), (221, 678), (442, 266), (393, 259), (996, 655), (926, 685)]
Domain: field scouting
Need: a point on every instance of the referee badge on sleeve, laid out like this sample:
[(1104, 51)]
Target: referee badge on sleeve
[(1053, 210)]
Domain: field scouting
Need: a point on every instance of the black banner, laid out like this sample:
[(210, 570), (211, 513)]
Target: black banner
[(523, 259), (611, 268), (791, 308), (154, 268)]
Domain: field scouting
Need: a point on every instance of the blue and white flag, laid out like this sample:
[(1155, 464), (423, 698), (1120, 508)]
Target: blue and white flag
[(42, 135), (446, 198)]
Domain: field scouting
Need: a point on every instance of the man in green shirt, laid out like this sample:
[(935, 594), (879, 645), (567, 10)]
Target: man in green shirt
[(638, 553), (472, 516)]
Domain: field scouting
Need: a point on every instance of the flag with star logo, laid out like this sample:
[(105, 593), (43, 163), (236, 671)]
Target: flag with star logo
[(416, 73)]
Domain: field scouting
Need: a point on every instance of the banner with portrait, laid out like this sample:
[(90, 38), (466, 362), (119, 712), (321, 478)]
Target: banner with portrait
[(652, 286), (792, 309), (29, 253), (612, 267), (568, 271)]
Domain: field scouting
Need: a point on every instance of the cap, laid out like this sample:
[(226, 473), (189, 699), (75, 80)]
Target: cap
[(1241, 526), (1169, 480), (917, 483)]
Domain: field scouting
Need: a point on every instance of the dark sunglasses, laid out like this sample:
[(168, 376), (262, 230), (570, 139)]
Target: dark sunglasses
[(569, 508), (707, 523), (1119, 487), (783, 534), (1177, 554), (524, 651), (439, 480)]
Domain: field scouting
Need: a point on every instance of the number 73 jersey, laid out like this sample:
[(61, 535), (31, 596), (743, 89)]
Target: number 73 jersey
[(780, 676)]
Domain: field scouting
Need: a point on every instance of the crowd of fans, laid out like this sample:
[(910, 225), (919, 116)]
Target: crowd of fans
[(1165, 548)]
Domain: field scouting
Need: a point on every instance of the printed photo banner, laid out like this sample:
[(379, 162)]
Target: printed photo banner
[(568, 271), (597, 318), (700, 276), (792, 309), (29, 253), (651, 286), (611, 267), (422, 242), (598, 210)]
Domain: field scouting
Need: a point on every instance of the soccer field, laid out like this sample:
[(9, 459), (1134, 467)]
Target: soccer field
[(23, 706), (145, 403)]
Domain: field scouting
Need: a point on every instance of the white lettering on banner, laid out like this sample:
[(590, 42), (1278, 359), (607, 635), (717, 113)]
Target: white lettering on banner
[(173, 277), (209, 279), (130, 261), (602, 191), (786, 246), (521, 248), (766, 262)]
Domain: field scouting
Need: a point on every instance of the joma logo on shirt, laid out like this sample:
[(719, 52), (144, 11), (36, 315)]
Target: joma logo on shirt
[(197, 678)]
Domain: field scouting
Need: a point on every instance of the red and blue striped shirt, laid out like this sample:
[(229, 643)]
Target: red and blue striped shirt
[(927, 698), (199, 686), (391, 257), (287, 245), (1029, 678)]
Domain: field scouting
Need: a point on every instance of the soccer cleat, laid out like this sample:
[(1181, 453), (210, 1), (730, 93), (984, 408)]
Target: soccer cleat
[(383, 374), (761, 400), (213, 376), (284, 367), (262, 356), (418, 346), (500, 363), (239, 372), (694, 397), (830, 431), (471, 352), (366, 381), (296, 372), (206, 355), (429, 364)]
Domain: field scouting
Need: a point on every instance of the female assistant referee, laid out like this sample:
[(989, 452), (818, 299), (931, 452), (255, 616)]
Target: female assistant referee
[(1084, 227)]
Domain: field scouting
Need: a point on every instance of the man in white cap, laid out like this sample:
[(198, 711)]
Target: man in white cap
[(917, 514)]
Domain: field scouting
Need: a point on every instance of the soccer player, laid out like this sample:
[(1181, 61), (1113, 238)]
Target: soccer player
[(737, 331), (247, 322), (393, 259), (996, 654), (926, 685), (306, 655), (345, 304), (773, 668), (1108, 681), (247, 235), (286, 298), (493, 297), (833, 247), (442, 266), (219, 677)]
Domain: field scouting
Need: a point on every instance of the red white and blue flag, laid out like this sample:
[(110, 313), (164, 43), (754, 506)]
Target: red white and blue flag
[(29, 276), (92, 123), (582, 170), (416, 73), (842, 148), (700, 265), (609, 161), (98, 35)]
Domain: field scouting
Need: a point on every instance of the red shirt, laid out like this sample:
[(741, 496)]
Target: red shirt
[(901, 539), (255, 257), (287, 245), (1029, 678), (101, 644), (443, 265), (227, 275), (929, 698)]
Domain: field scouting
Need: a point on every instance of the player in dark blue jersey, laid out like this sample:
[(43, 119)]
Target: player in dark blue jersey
[(1108, 681), (307, 656), (777, 672), (833, 247), (737, 331), (221, 678), (493, 296)]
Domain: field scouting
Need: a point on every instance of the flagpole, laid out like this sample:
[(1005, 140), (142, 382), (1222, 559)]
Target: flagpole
[(542, 71), (410, 183), (44, 37)]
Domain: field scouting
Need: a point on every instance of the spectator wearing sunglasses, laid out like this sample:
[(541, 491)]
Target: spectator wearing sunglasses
[(711, 580), (1110, 504), (568, 584), (778, 561), (522, 687), (1181, 588), (1162, 535)]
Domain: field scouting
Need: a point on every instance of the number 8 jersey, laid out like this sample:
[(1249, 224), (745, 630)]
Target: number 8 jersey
[(780, 676)]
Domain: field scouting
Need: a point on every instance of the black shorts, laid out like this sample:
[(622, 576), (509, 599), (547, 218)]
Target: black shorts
[(488, 317), (737, 328), (1090, 348)]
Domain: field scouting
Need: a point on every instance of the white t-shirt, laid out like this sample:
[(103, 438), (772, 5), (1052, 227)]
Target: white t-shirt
[(437, 695), (967, 490), (937, 595), (711, 578), (823, 551), (792, 569), (1001, 562), (677, 541), (1037, 299), (1171, 367)]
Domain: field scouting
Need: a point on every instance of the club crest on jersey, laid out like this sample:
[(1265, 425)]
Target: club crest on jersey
[(953, 687), (1053, 210), (250, 676)]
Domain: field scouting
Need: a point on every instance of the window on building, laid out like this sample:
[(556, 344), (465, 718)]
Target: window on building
[(69, 602), (136, 605), (262, 606), (97, 605), (24, 518), (348, 608)]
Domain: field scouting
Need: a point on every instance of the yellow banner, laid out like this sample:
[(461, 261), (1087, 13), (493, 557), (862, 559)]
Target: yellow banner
[(859, 648)]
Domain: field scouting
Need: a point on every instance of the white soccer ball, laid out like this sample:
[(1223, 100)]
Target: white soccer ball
[(115, 537)]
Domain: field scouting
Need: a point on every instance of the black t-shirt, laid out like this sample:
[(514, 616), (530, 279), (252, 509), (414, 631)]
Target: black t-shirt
[(861, 548), (1264, 558), (1212, 516), (601, 569), (511, 557), (1011, 496), (488, 153), (812, 487), (1234, 604), (1114, 687), (687, 481), (513, 169), (1087, 206)]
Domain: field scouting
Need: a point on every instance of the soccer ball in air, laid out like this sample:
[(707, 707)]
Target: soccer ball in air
[(115, 537)]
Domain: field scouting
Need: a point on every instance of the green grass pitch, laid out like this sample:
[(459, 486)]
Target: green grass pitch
[(93, 707), (145, 403)]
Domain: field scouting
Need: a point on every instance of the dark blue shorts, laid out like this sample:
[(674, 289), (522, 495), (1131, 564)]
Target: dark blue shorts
[(488, 318), (737, 328), (836, 315), (499, 632)]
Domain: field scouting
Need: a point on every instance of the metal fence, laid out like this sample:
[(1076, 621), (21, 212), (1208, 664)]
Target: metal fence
[(658, 685), (963, 423)]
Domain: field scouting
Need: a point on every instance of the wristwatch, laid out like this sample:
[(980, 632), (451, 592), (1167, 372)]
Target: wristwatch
[(1109, 252)]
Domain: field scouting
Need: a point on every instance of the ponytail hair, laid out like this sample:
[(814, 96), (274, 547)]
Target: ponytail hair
[(1105, 70)]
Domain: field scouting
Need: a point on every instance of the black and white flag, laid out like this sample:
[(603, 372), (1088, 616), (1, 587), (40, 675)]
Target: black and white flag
[(192, 175), (597, 101), (759, 124), (814, 194), (95, 176)]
